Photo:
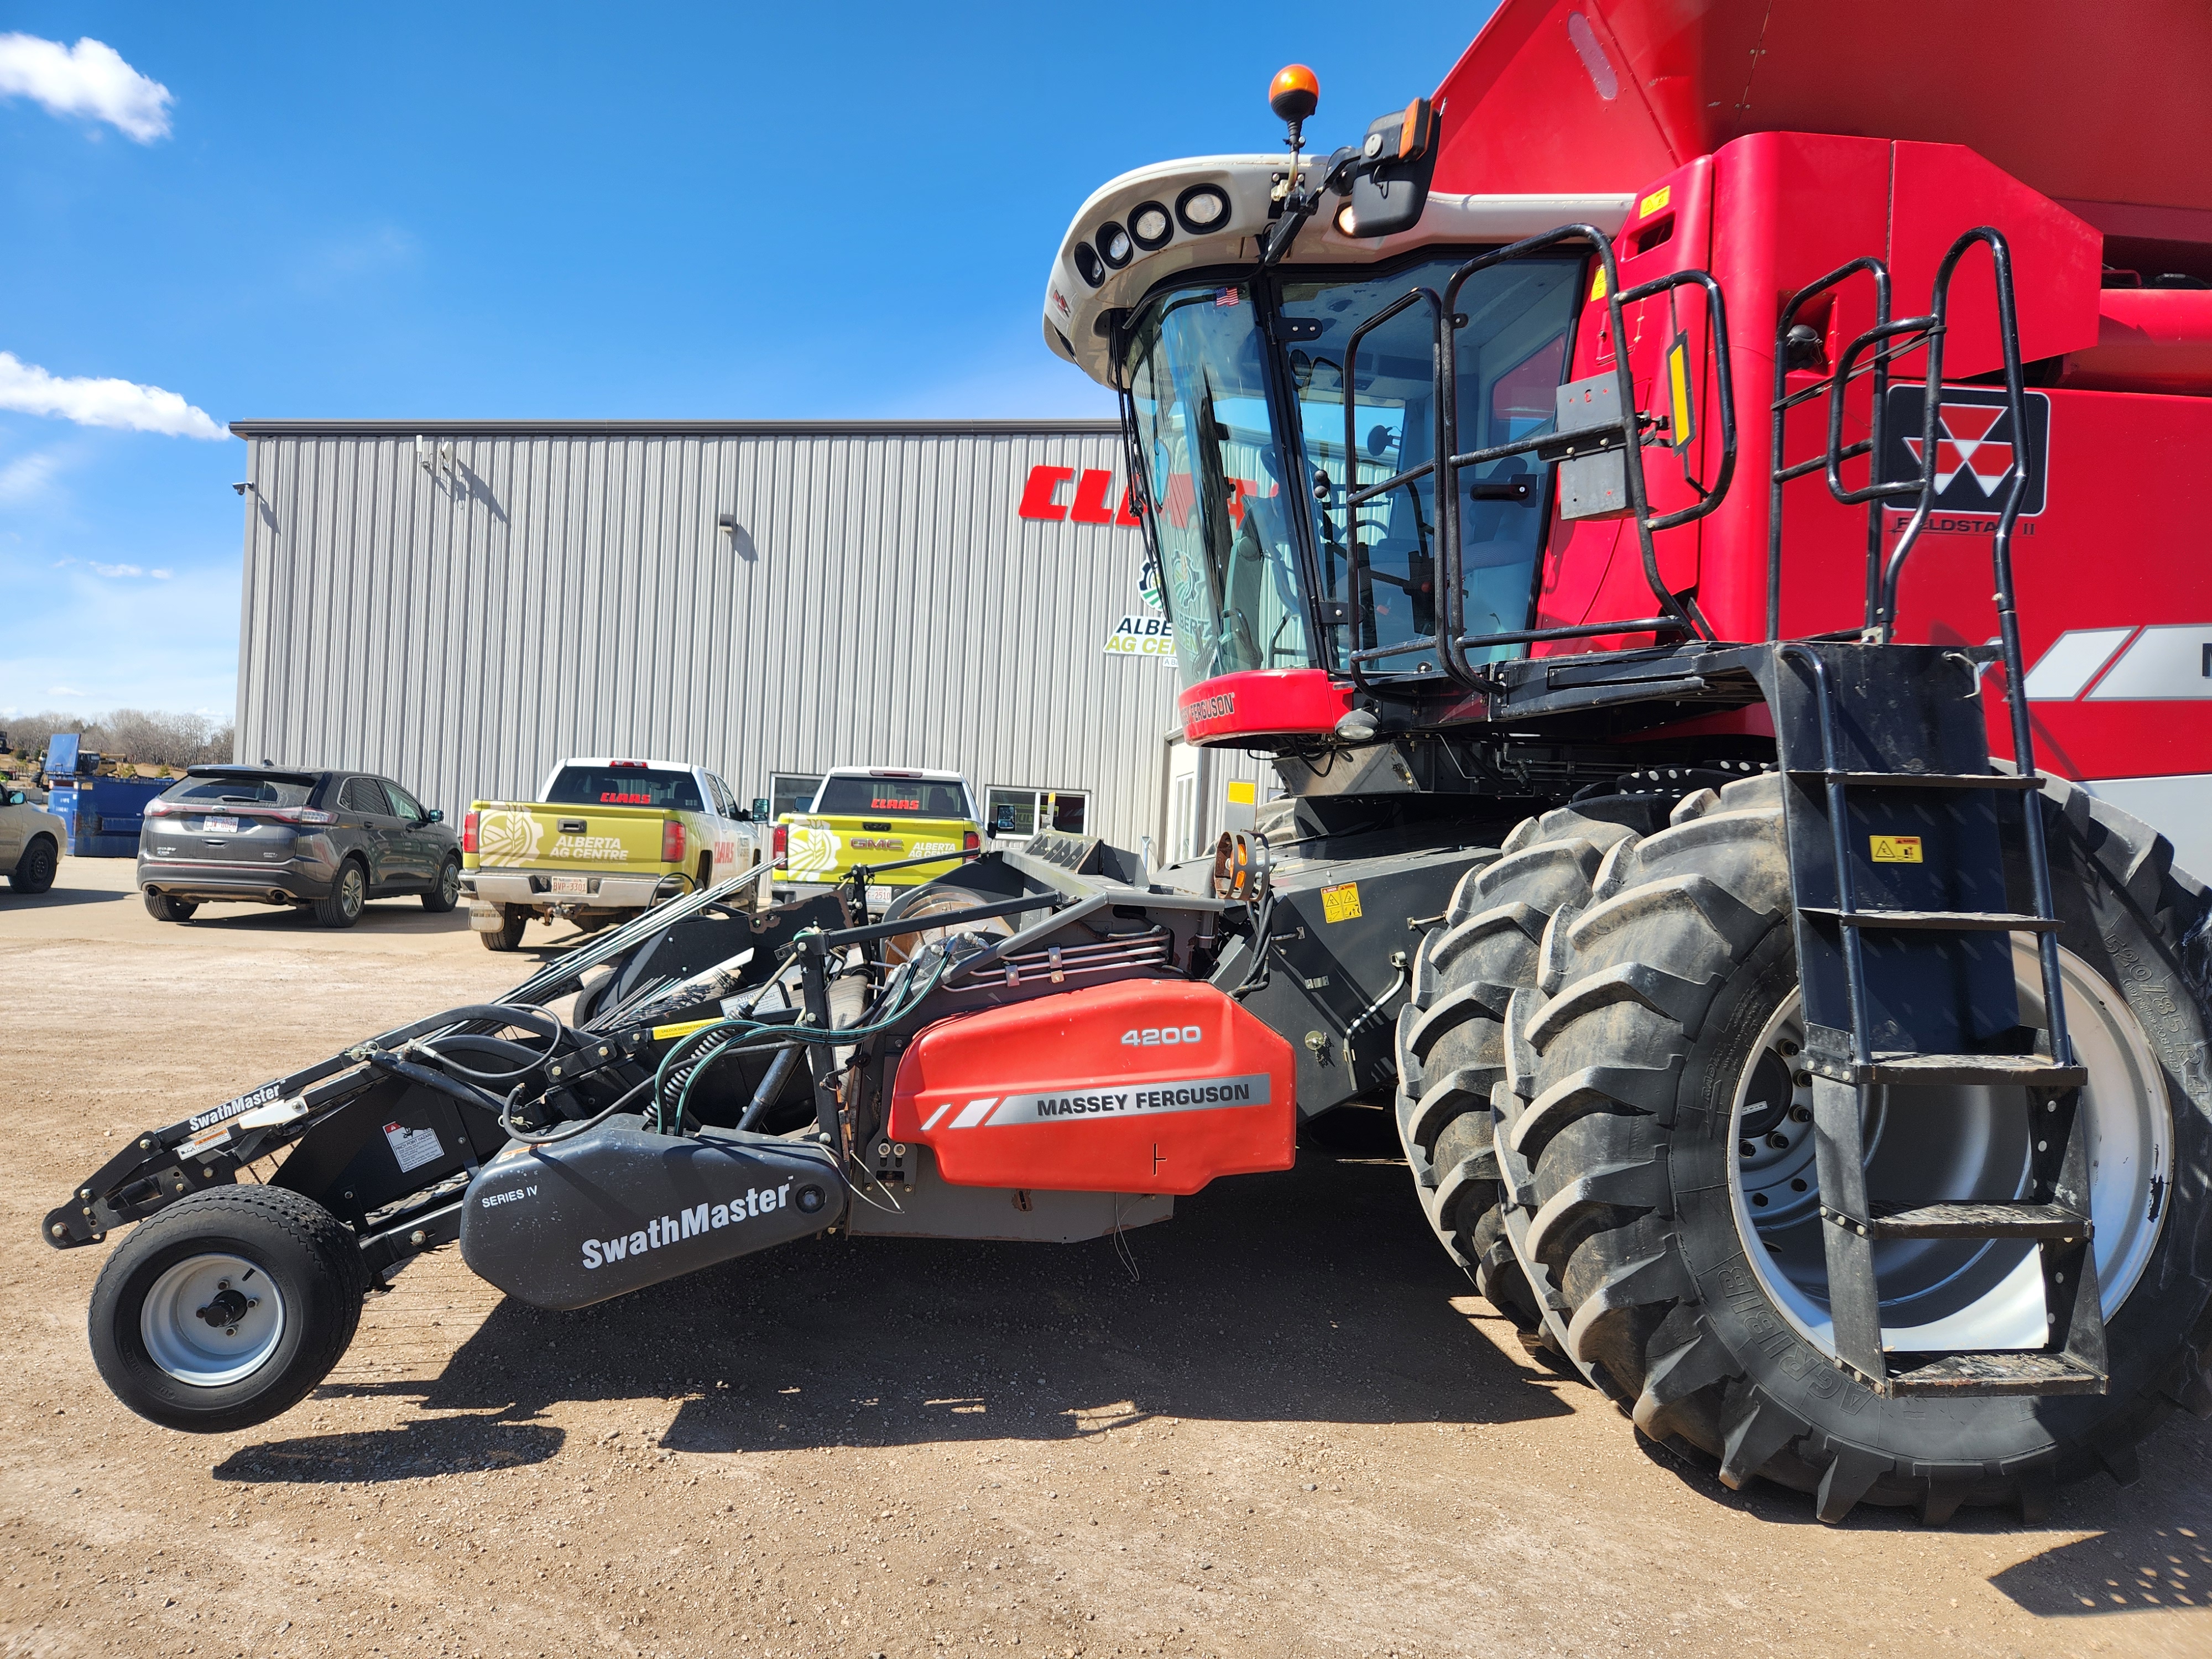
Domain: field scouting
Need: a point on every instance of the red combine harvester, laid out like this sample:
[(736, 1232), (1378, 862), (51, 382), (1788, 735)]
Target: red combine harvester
[(1641, 498)]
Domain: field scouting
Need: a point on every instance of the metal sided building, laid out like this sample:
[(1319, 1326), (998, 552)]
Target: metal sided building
[(460, 606)]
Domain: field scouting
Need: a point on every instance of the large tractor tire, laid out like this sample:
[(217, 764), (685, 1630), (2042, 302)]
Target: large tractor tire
[(1451, 1035), (1673, 1200)]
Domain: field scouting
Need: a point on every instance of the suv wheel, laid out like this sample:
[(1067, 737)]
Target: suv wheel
[(34, 871), (341, 906), (162, 907), (446, 892)]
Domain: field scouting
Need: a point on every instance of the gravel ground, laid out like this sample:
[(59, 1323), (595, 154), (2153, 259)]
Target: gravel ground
[(1282, 1425)]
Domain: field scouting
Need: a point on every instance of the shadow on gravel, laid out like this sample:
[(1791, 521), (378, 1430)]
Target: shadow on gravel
[(440, 1445), (2129, 1569), (1315, 1295)]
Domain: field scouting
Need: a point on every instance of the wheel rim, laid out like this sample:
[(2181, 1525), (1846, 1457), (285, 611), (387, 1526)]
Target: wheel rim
[(349, 891), (449, 884), (1952, 1143), (211, 1319)]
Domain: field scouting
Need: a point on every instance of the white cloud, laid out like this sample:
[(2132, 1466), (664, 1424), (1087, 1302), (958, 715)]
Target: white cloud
[(93, 402), (90, 78), (159, 575), (26, 475), (100, 569)]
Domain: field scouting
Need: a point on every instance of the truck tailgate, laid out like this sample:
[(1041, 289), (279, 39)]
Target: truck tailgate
[(824, 848), (532, 834)]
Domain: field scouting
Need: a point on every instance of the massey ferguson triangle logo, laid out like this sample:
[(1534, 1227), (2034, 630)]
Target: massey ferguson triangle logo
[(1963, 444), (1976, 449)]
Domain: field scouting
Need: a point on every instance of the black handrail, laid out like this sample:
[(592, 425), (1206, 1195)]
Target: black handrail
[(1785, 400), (1625, 434), (1353, 499), (1912, 334)]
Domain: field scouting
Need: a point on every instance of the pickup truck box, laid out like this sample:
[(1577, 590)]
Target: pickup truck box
[(608, 838), (877, 816)]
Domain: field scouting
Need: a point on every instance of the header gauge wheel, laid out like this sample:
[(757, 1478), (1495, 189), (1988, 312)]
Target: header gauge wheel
[(226, 1309)]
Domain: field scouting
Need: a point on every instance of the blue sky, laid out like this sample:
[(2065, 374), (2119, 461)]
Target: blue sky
[(542, 211)]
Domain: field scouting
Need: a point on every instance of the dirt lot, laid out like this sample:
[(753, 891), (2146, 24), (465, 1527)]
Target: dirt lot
[(1283, 1427)]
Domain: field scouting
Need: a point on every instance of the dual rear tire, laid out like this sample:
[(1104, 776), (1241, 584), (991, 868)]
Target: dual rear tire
[(1646, 1160)]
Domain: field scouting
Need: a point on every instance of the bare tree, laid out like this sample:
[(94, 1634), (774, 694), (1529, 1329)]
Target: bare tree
[(152, 737)]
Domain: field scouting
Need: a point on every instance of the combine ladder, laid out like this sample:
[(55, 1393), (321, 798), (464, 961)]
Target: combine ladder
[(1897, 860)]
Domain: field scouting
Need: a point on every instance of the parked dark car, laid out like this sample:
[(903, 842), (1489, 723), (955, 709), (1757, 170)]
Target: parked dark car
[(326, 841)]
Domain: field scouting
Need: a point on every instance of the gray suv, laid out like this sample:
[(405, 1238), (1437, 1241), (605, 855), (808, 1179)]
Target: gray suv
[(326, 841)]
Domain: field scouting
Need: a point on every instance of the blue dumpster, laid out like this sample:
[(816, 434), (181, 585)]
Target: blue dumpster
[(103, 816)]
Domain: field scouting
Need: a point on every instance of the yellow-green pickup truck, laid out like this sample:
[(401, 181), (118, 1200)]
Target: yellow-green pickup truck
[(875, 815), (608, 838)]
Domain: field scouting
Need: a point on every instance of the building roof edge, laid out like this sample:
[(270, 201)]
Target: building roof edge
[(349, 428)]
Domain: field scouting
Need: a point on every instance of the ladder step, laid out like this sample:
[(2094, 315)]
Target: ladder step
[(2027, 1071), (1957, 1375), (1981, 1218), (1959, 921), (1922, 780)]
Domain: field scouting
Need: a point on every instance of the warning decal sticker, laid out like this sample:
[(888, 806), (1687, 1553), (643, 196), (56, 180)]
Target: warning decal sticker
[(1896, 849), (1341, 903), (413, 1147)]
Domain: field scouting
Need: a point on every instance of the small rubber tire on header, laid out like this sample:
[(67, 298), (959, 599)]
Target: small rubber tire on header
[(285, 1272)]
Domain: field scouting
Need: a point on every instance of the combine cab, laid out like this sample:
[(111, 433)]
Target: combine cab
[(1654, 538)]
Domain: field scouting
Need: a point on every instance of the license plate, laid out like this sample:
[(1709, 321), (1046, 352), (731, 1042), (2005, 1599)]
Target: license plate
[(218, 826), (578, 884)]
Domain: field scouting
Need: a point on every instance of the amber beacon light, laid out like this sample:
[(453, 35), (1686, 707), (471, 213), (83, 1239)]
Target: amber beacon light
[(1293, 95)]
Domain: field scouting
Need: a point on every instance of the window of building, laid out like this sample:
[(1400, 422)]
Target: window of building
[(1018, 814), (790, 792)]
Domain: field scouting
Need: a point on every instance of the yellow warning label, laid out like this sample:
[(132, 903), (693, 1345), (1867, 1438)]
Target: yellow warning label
[(665, 1033), (1896, 849), (1243, 794), (1657, 200), (1597, 288), (1341, 903)]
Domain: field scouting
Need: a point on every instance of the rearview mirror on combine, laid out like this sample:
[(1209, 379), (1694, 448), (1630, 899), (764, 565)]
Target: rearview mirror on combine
[(1391, 186)]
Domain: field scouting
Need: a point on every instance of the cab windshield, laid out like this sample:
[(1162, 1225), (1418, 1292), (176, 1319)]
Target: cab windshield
[(1198, 371)]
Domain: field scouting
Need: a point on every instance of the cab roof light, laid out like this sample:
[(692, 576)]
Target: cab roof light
[(1113, 245), (1201, 208), (1150, 227)]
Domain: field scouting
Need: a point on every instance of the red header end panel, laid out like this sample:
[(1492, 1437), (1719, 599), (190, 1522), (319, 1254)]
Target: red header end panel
[(1147, 1087), (1263, 702)]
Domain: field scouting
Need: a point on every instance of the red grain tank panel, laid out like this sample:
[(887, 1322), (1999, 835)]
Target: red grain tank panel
[(1147, 1087)]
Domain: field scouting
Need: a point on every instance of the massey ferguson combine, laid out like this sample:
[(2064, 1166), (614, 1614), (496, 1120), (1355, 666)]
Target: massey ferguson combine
[(1696, 511)]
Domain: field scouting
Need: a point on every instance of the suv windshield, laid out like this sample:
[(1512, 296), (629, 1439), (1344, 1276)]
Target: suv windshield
[(624, 785), (894, 798), (242, 791), (1233, 576)]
